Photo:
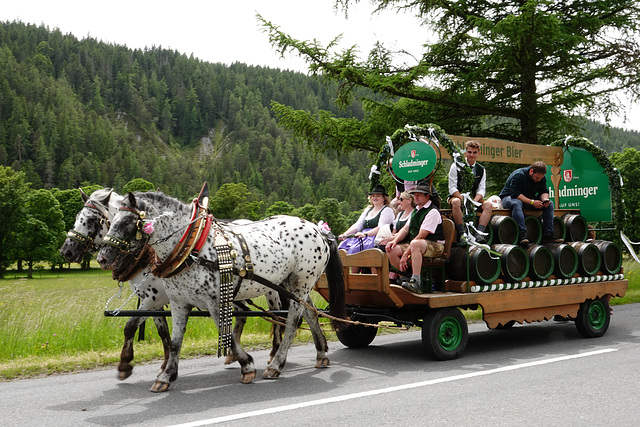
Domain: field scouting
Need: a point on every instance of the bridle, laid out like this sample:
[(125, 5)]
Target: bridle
[(85, 240), (125, 245)]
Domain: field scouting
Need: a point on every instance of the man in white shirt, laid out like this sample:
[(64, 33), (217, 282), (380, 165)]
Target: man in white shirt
[(478, 190)]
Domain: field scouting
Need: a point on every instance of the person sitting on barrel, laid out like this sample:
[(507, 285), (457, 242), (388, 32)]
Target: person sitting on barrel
[(527, 188), (478, 190), (421, 237)]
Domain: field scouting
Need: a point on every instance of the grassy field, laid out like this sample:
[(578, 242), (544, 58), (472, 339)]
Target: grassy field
[(55, 323)]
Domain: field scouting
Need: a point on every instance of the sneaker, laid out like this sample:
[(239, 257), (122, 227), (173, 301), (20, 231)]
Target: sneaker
[(479, 238), (412, 286), (524, 241), (551, 239)]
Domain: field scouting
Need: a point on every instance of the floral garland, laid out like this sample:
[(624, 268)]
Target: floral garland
[(603, 160), (435, 134)]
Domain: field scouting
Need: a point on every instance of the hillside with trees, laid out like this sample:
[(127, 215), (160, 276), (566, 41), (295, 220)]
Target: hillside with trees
[(74, 112), (83, 113)]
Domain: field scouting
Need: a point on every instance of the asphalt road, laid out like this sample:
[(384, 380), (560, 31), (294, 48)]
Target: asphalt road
[(543, 374)]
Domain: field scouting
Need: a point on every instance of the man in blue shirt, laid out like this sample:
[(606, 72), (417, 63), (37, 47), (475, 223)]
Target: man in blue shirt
[(527, 187)]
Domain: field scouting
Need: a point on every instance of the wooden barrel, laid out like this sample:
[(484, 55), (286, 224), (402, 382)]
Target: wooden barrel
[(577, 227), (534, 229), (505, 230), (589, 258), (559, 228), (541, 262), (483, 268), (514, 260), (566, 259), (611, 256)]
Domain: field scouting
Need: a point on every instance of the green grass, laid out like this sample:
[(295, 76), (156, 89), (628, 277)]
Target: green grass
[(55, 323)]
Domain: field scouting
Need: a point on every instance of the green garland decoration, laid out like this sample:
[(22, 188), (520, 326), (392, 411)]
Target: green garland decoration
[(437, 135), (603, 160)]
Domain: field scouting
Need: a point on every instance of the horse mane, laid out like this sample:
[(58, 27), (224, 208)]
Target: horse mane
[(100, 193), (157, 198)]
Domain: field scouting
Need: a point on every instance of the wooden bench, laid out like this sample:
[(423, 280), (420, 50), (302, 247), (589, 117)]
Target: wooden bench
[(373, 289)]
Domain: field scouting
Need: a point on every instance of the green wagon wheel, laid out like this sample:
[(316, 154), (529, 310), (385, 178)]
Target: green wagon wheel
[(445, 333), (593, 318)]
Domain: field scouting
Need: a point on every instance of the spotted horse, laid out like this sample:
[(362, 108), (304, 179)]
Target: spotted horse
[(224, 263), (90, 227)]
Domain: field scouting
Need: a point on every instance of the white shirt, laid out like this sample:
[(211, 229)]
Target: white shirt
[(453, 180)]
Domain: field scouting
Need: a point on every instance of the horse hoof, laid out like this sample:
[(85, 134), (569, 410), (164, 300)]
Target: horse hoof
[(270, 374), (123, 375), (230, 359), (322, 363), (159, 387), (248, 377)]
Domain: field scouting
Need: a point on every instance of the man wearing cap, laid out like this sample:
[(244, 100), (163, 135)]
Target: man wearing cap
[(478, 189), (420, 237), (527, 187)]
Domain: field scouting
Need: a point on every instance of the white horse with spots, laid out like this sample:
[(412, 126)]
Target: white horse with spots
[(90, 227), (283, 250)]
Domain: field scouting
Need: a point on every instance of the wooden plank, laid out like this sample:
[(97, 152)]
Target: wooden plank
[(493, 320), (503, 151), (524, 299)]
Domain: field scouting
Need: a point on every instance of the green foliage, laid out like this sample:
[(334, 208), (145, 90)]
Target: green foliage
[(279, 208), (329, 211), (229, 200), (540, 65), (138, 184), (628, 165), (106, 114), (70, 203), (13, 196), (40, 232), (307, 212)]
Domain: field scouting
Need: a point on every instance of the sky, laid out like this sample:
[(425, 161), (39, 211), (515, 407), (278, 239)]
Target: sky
[(228, 31)]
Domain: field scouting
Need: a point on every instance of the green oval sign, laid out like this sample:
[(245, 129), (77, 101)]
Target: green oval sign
[(414, 161)]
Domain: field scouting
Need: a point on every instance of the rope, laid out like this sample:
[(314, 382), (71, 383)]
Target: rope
[(118, 294)]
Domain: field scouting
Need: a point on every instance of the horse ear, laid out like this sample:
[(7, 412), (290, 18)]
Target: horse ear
[(105, 201), (83, 195), (132, 200)]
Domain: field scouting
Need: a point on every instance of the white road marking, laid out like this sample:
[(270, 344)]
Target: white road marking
[(388, 389)]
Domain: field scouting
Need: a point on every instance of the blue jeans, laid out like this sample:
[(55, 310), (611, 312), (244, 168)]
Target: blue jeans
[(515, 205)]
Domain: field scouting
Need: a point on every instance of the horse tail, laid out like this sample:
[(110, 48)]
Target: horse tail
[(335, 279)]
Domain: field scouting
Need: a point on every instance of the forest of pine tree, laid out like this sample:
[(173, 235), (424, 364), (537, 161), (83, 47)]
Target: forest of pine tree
[(79, 112)]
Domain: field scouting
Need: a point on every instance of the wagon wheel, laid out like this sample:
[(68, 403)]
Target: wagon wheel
[(357, 336), (593, 318), (445, 333)]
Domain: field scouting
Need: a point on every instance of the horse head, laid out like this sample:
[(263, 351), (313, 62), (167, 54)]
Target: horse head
[(91, 225), (126, 237)]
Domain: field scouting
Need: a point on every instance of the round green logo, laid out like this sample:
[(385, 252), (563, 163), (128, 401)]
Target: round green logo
[(414, 161)]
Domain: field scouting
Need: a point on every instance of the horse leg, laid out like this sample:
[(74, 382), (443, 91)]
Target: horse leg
[(319, 339), (126, 355), (165, 337), (180, 316), (280, 358), (247, 368), (238, 326), (275, 303)]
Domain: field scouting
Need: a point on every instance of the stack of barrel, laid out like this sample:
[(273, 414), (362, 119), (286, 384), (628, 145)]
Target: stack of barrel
[(535, 261)]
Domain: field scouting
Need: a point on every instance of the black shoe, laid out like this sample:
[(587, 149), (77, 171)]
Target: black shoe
[(480, 238), (412, 286), (551, 239)]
